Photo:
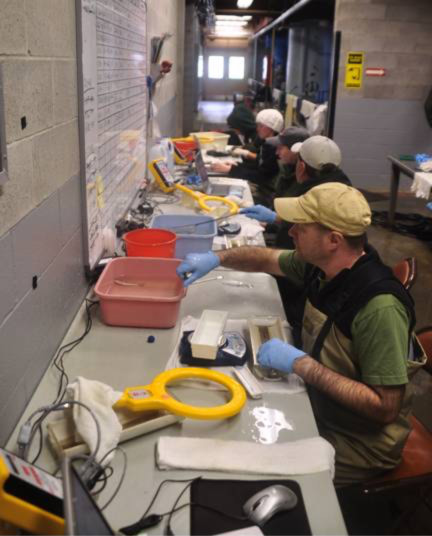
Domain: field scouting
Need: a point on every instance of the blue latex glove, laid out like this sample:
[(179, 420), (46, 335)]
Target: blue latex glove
[(260, 213), (196, 265), (278, 355)]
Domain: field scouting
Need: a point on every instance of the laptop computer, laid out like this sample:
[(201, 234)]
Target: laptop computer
[(82, 515), (214, 188)]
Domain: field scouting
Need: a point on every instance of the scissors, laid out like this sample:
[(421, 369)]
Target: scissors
[(155, 396)]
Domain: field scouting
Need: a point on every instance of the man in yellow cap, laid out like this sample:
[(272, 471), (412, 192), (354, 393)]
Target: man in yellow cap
[(356, 349)]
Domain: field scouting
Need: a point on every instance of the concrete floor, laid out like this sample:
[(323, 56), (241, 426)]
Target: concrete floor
[(392, 247)]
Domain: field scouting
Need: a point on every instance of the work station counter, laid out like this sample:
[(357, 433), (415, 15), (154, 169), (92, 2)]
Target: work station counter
[(123, 357)]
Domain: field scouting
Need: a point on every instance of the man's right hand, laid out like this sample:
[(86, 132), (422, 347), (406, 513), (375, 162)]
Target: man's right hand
[(260, 213), (221, 167), (196, 265)]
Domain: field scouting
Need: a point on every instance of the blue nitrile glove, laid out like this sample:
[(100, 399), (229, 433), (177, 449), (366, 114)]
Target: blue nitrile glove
[(278, 355), (196, 265), (429, 206), (260, 213), (193, 179)]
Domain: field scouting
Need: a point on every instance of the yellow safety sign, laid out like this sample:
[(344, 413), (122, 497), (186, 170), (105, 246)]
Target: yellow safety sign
[(354, 70)]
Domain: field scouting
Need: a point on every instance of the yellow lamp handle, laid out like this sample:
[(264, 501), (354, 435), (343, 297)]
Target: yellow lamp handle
[(202, 202), (154, 396), (203, 198)]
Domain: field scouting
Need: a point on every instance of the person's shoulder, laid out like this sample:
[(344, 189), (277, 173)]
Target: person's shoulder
[(385, 306)]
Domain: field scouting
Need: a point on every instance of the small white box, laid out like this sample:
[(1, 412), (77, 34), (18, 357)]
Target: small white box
[(207, 335)]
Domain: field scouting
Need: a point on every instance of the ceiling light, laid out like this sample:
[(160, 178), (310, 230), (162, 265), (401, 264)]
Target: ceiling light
[(231, 23), (233, 17), (244, 4), (231, 32)]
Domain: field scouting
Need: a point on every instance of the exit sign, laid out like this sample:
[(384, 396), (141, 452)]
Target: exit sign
[(375, 71)]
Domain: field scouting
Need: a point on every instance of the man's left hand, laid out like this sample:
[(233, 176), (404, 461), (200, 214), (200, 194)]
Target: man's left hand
[(279, 355)]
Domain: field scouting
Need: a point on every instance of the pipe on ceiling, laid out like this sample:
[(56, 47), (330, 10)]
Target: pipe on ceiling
[(282, 17)]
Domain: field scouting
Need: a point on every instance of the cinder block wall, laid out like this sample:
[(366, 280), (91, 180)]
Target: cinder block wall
[(190, 80), (166, 16), (41, 268), (386, 116)]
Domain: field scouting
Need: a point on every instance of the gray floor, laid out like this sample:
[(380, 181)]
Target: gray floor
[(392, 247)]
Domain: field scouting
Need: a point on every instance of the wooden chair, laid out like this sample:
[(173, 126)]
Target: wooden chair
[(406, 271)]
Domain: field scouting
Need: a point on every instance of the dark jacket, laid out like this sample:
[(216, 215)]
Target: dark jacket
[(243, 119), (261, 171)]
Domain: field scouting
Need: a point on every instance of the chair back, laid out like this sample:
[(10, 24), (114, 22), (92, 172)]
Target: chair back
[(406, 271), (425, 337)]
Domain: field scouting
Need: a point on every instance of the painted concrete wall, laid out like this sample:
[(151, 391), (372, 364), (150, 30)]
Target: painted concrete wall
[(42, 280), (191, 83), (386, 115), (166, 16), (41, 275)]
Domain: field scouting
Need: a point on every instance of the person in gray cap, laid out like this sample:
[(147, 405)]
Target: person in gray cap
[(317, 161), (285, 182)]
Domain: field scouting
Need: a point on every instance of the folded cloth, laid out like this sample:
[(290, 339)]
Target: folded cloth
[(292, 458), (100, 398), (307, 108), (422, 184)]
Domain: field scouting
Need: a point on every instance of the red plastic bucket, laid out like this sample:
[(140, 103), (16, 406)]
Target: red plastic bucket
[(150, 243), (186, 146)]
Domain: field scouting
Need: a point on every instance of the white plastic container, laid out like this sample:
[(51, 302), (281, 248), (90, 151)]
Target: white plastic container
[(206, 337), (212, 140)]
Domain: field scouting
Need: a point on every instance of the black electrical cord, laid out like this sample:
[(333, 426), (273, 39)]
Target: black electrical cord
[(58, 363), (67, 348), (168, 531), (141, 523)]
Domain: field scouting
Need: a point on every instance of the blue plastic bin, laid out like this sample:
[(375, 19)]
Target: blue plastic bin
[(193, 239)]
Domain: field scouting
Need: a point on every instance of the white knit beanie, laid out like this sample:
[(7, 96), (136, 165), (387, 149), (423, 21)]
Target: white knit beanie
[(271, 118)]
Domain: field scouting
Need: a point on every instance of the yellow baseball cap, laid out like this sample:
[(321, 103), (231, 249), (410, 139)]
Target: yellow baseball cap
[(333, 204)]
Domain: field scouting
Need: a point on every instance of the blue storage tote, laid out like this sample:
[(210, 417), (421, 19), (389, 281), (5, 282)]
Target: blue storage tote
[(191, 238)]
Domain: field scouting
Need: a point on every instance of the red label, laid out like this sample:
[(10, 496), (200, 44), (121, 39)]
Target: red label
[(375, 71)]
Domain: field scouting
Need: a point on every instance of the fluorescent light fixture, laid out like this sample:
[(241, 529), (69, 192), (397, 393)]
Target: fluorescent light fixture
[(244, 4), (233, 17), (230, 32), (231, 23)]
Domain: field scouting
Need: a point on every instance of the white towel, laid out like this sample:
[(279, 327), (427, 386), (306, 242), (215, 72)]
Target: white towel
[(292, 458), (422, 184), (307, 108), (100, 398)]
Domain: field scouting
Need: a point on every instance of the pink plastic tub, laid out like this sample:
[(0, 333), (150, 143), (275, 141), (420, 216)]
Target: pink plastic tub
[(140, 292)]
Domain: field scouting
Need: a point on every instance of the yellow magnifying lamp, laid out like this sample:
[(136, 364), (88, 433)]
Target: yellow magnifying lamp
[(155, 395), (167, 184)]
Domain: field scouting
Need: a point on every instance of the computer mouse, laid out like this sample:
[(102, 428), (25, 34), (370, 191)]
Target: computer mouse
[(262, 506)]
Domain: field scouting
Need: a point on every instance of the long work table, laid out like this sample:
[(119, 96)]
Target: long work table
[(123, 357)]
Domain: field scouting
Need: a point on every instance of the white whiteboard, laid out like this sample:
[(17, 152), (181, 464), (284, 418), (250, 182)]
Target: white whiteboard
[(112, 60)]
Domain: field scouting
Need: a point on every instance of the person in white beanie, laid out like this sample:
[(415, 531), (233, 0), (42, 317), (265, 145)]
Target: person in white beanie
[(259, 164)]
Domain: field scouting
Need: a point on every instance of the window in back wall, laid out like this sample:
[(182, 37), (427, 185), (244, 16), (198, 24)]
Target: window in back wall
[(236, 67), (216, 67)]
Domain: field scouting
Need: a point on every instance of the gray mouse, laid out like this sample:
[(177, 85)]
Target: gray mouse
[(267, 502)]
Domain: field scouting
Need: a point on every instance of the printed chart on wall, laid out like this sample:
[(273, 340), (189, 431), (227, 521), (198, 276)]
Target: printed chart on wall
[(113, 101)]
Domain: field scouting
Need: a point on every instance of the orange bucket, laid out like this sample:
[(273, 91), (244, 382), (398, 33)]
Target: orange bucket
[(187, 146), (150, 243)]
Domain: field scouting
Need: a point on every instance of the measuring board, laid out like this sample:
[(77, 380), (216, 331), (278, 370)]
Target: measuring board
[(112, 70)]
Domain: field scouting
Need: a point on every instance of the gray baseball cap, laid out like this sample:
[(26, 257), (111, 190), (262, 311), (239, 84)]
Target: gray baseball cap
[(289, 137)]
